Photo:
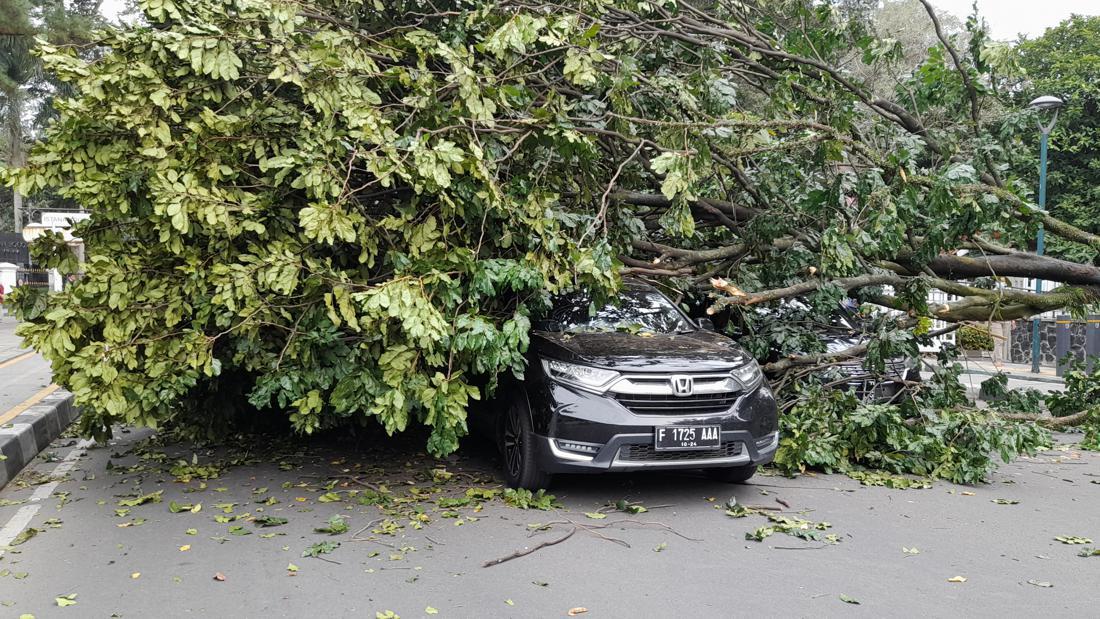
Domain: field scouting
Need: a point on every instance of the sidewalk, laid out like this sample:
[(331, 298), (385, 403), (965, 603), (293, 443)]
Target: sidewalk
[(1020, 376), (1019, 371), (10, 344)]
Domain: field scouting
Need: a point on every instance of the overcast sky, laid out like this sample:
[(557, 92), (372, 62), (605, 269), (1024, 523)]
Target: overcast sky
[(1006, 18)]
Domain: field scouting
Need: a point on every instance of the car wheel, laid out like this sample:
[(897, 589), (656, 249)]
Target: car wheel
[(517, 447), (733, 474)]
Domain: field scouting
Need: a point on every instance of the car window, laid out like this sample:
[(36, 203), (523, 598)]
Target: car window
[(633, 312)]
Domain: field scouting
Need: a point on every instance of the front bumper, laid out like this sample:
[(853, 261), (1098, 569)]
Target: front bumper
[(617, 439)]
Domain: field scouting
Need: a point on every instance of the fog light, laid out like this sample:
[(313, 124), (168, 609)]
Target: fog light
[(764, 442), (584, 448)]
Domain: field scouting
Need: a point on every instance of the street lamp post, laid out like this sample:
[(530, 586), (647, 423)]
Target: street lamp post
[(1052, 104)]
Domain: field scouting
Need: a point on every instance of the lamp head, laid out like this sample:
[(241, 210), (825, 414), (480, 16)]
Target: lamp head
[(1046, 102)]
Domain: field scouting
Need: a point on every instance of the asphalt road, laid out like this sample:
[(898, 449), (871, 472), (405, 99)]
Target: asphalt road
[(22, 375), (144, 562)]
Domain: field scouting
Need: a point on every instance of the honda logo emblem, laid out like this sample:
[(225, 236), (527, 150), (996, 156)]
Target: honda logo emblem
[(682, 385)]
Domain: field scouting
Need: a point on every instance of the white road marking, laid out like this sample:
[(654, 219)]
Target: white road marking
[(22, 518)]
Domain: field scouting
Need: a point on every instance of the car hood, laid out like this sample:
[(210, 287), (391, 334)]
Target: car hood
[(690, 352)]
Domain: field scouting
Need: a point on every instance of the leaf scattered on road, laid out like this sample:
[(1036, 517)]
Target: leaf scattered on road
[(218, 576), (579, 610), (152, 497), (334, 526), (176, 508), (1073, 539), (320, 548), (25, 536), (1040, 583), (848, 600), (1005, 501), (269, 521), (957, 579), (65, 600)]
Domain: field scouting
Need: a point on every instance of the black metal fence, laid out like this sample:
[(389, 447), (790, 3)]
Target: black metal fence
[(39, 278)]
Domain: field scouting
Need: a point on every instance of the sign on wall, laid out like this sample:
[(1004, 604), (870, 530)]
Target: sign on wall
[(13, 248), (62, 220)]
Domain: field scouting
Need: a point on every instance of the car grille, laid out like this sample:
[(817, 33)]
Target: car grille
[(873, 391), (647, 453), (894, 367), (660, 404)]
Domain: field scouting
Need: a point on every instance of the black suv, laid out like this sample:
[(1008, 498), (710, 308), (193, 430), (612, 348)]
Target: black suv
[(635, 385)]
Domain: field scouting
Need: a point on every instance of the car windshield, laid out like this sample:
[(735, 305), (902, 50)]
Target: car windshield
[(637, 311)]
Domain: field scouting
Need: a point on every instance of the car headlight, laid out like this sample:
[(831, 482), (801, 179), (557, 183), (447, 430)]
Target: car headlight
[(583, 376), (749, 375)]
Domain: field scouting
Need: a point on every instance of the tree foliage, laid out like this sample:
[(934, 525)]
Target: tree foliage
[(349, 211), (26, 92), (1063, 62)]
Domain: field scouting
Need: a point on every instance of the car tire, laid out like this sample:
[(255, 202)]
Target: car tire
[(732, 474), (517, 446)]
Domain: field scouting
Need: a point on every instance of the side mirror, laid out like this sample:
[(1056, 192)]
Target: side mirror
[(706, 324)]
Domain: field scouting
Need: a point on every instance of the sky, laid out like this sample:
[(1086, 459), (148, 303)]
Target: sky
[(1009, 18), (1006, 18)]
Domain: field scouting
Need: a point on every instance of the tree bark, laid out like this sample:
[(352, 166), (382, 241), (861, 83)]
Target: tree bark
[(1075, 419), (16, 152)]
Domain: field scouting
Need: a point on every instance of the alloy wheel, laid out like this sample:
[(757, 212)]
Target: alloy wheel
[(513, 444)]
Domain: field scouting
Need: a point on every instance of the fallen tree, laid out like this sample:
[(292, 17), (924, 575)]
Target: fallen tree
[(349, 214)]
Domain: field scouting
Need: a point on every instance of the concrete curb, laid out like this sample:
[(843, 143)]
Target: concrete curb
[(33, 430), (1034, 378)]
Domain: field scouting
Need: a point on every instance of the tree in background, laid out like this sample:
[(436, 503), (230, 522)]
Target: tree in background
[(343, 214), (1065, 62), (26, 91)]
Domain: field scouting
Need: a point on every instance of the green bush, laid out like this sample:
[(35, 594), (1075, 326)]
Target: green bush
[(972, 337)]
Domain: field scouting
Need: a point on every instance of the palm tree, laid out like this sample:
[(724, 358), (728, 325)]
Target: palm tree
[(26, 91), (18, 70)]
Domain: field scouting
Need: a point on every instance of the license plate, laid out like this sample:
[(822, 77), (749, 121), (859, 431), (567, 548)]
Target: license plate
[(687, 437)]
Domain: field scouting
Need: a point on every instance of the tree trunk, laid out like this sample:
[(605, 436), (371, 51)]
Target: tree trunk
[(16, 153)]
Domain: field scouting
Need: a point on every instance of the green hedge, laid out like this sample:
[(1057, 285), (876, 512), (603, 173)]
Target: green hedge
[(973, 337)]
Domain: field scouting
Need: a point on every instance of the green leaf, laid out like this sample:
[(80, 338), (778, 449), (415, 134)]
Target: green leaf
[(152, 497), (334, 526), (320, 548), (269, 521), (1073, 539), (24, 536)]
